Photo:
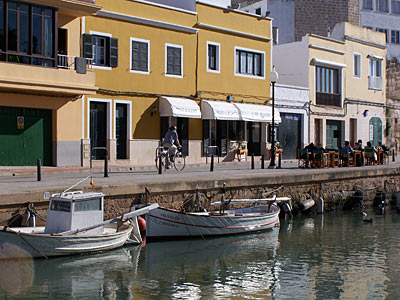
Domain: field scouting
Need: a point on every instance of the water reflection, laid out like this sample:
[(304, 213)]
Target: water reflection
[(335, 256)]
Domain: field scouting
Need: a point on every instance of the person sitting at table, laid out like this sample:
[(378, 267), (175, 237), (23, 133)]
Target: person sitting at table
[(382, 147), (346, 152), (319, 147), (370, 153), (358, 147)]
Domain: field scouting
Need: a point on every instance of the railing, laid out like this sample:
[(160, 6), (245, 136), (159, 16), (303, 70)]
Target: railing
[(68, 62), (328, 99), (374, 83)]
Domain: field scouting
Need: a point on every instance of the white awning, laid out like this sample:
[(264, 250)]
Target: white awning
[(179, 107), (257, 113), (217, 110)]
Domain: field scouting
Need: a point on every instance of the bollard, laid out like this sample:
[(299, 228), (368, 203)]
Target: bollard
[(252, 161), (159, 164), (280, 160), (262, 161), (106, 165), (393, 159), (212, 163), (39, 173)]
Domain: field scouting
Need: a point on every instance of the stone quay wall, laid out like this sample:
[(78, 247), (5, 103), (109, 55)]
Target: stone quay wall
[(338, 188)]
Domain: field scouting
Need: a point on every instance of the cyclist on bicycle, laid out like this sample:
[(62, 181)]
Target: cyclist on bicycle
[(169, 141)]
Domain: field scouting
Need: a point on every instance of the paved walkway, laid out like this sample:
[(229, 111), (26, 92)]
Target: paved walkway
[(19, 184)]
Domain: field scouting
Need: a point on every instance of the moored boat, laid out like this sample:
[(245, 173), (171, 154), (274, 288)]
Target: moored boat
[(167, 223), (74, 225)]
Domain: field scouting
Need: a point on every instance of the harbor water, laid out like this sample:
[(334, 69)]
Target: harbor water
[(331, 256)]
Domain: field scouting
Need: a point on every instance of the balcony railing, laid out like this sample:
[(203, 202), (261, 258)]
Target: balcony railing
[(70, 62), (375, 83), (329, 99)]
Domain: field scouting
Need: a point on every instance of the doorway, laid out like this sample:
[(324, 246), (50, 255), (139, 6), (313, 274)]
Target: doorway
[(121, 129), (98, 128), (333, 134), (289, 135), (254, 138)]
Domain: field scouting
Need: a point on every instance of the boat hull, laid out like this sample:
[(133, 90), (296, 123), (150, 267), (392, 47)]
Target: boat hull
[(164, 223), (14, 244)]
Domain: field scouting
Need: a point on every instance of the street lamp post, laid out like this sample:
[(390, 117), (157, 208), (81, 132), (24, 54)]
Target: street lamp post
[(273, 77)]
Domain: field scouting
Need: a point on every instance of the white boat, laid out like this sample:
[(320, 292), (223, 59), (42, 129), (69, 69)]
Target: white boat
[(167, 223), (74, 225)]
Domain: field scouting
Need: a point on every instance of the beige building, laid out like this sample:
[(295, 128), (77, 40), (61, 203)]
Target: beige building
[(346, 78)]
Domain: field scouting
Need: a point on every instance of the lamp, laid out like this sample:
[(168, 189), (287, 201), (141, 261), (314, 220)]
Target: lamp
[(365, 113), (273, 77)]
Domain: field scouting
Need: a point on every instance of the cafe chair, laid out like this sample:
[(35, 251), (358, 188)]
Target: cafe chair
[(303, 158), (319, 158), (345, 158), (369, 155)]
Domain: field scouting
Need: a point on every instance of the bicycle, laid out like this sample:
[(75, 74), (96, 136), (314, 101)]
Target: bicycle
[(178, 160)]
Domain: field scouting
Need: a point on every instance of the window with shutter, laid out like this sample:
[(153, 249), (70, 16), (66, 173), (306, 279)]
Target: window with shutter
[(101, 49), (174, 60), (140, 56)]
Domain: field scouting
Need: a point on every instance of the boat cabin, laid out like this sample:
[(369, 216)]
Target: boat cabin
[(74, 210)]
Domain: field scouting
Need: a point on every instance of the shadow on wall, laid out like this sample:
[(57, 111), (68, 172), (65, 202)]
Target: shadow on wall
[(148, 125)]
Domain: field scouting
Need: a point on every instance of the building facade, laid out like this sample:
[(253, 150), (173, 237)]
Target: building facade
[(161, 63), (42, 80), (346, 79)]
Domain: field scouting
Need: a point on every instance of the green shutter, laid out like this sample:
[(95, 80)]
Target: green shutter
[(87, 40), (113, 52)]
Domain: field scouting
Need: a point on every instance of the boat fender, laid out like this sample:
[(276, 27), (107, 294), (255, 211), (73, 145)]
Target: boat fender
[(142, 224), (307, 204), (287, 210)]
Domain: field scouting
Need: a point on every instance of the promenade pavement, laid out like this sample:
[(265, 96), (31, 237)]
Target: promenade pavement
[(19, 184)]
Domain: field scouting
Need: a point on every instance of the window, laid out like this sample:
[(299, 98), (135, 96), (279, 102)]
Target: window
[(367, 4), (174, 60), (396, 7), (88, 205), (258, 11), (213, 53), (385, 31), (375, 74), (249, 63), (357, 65), (395, 37), (328, 86), (60, 206), (140, 56), (101, 48), (382, 5), (28, 35)]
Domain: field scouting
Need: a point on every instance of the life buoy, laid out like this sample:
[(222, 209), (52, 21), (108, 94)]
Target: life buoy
[(142, 224)]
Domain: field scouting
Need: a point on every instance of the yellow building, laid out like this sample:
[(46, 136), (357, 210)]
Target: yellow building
[(159, 65), (346, 77), (42, 79)]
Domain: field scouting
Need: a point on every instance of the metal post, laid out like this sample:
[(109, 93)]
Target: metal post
[(280, 160), (39, 172), (106, 165), (262, 161), (212, 163), (160, 164), (393, 158), (252, 161), (272, 163)]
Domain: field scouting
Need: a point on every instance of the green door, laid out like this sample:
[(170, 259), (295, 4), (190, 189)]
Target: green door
[(25, 136), (375, 131), (333, 134)]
